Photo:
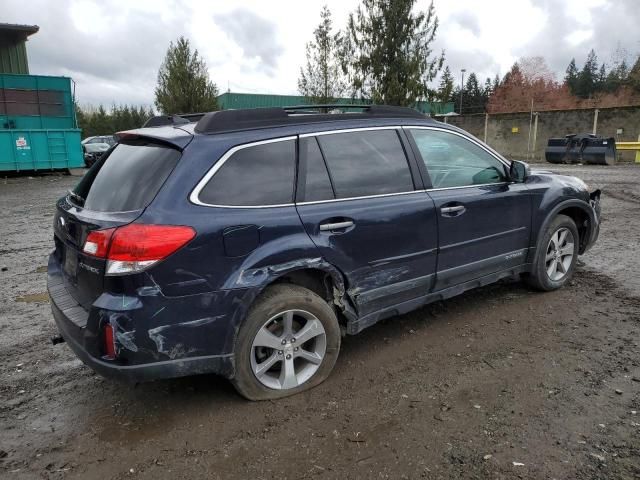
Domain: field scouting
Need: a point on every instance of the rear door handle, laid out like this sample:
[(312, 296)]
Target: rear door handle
[(452, 211), (459, 208), (326, 227)]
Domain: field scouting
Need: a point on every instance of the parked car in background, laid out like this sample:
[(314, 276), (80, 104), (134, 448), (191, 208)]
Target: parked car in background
[(249, 243), (94, 147)]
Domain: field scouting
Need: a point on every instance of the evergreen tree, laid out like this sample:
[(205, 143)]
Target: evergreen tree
[(472, 101), (472, 87), (622, 71), (496, 83), (513, 76), (601, 80), (98, 121), (633, 78), (488, 87), (486, 92), (183, 82), (101, 122), (571, 77), (445, 90), (322, 80), (388, 54), (588, 76)]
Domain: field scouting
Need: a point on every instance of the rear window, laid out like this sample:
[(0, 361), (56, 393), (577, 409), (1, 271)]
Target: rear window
[(127, 179), (259, 175)]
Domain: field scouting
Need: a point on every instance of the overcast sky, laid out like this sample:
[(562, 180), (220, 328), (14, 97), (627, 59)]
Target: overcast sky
[(112, 48)]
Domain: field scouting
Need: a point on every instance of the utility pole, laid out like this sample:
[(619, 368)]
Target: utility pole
[(461, 88)]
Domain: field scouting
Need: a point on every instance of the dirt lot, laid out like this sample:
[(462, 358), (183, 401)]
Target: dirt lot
[(499, 383)]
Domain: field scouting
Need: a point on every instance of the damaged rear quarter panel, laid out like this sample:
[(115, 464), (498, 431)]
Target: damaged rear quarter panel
[(206, 290)]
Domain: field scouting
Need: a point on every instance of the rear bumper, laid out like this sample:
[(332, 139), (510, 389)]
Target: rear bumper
[(220, 364), (148, 348)]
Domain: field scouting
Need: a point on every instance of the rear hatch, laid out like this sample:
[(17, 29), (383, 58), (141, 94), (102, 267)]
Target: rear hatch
[(114, 192)]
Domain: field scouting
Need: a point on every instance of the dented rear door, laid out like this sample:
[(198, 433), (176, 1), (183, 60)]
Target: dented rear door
[(359, 205)]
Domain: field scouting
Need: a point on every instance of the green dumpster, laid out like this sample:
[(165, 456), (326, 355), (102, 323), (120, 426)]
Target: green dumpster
[(40, 150), (38, 129)]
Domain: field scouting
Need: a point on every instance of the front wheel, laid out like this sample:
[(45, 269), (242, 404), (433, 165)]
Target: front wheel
[(289, 343), (555, 262)]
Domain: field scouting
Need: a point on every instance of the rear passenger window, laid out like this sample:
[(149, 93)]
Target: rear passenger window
[(317, 185), (366, 163), (254, 176)]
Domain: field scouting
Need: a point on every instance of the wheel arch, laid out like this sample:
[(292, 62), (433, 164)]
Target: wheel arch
[(316, 274), (579, 211)]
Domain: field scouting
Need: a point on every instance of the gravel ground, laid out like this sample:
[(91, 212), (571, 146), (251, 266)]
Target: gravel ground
[(498, 383)]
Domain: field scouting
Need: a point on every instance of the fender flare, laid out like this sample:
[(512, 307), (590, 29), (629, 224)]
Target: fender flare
[(574, 202)]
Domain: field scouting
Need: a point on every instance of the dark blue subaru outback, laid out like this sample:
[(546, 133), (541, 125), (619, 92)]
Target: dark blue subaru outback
[(247, 243)]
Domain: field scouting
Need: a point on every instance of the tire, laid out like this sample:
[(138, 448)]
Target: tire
[(543, 276), (263, 365)]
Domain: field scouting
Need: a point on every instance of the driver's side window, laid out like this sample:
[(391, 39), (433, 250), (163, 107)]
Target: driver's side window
[(454, 161)]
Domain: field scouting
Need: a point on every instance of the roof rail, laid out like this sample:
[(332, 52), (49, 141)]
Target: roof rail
[(233, 120)]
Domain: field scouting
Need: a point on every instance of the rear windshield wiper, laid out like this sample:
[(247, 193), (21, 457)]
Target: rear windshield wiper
[(74, 195)]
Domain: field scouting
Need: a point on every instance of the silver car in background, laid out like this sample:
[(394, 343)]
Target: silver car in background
[(94, 147)]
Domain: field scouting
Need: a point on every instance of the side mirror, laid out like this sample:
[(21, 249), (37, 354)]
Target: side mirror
[(518, 171)]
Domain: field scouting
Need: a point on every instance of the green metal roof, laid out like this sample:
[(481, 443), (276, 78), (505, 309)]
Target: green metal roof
[(232, 100), (18, 32), (13, 51)]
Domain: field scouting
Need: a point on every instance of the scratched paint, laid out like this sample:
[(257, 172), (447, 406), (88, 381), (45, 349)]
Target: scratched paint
[(258, 276), (169, 338)]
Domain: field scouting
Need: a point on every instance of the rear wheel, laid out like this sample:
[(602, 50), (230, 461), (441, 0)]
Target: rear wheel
[(556, 260), (289, 343)]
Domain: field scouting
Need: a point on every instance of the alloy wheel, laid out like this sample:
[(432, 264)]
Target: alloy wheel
[(288, 349), (559, 254)]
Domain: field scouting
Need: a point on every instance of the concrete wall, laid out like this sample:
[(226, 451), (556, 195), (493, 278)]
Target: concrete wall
[(509, 132)]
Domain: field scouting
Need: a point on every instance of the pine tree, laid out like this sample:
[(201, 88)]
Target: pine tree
[(601, 79), (486, 93), (633, 78), (472, 97), (183, 82), (571, 78), (445, 90), (98, 121), (388, 52), (496, 83), (623, 71), (101, 122), (588, 76), (322, 80)]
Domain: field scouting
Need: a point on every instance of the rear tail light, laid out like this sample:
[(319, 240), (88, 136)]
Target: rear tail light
[(97, 243), (135, 247), (109, 343)]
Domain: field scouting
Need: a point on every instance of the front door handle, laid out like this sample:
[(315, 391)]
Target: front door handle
[(452, 211), (326, 227)]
